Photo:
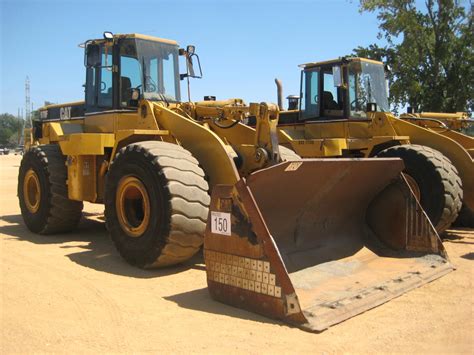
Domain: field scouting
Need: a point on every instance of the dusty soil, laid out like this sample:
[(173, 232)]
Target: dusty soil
[(73, 293)]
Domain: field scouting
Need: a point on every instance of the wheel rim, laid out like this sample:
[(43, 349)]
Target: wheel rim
[(413, 185), (133, 206), (31, 191)]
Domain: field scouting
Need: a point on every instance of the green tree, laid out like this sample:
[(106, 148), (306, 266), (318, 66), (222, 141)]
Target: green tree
[(10, 129), (430, 51)]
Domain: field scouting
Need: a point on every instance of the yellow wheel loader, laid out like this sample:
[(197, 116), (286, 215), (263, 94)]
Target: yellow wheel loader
[(343, 111), (312, 242)]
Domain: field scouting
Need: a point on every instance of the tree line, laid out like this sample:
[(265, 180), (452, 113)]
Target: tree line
[(430, 52), (11, 130), (12, 127)]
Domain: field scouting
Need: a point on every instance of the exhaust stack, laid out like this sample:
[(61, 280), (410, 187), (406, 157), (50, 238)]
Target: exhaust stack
[(279, 85)]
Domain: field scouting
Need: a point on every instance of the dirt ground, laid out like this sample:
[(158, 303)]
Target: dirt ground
[(73, 293)]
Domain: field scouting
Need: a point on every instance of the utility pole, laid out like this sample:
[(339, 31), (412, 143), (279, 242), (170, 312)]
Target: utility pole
[(27, 101)]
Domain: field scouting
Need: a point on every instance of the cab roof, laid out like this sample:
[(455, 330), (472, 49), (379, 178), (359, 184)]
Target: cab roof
[(138, 36), (340, 60), (146, 37)]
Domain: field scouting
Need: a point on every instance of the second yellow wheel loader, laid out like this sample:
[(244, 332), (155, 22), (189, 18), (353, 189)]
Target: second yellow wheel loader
[(343, 111), (312, 242)]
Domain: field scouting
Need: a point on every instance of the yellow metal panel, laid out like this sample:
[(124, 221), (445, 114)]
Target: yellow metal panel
[(332, 129), (238, 135), (312, 148), (466, 141), (55, 131), (82, 178), (115, 121), (120, 135), (288, 133), (142, 119), (103, 123), (359, 130), (86, 143)]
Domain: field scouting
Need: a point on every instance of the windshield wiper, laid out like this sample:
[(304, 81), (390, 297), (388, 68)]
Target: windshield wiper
[(164, 98)]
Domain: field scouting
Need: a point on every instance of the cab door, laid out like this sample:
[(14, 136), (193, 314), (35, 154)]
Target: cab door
[(100, 89)]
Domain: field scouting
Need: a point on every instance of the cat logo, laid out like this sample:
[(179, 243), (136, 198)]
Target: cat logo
[(65, 113)]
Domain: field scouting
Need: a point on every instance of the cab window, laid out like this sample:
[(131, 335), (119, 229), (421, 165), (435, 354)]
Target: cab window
[(105, 89), (130, 79), (130, 74), (332, 102), (309, 95)]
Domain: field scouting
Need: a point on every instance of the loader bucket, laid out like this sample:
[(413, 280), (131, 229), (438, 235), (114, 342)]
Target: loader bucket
[(315, 242)]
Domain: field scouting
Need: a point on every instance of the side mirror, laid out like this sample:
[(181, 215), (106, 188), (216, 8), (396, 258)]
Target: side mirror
[(337, 76), (93, 55), (189, 53), (190, 49)]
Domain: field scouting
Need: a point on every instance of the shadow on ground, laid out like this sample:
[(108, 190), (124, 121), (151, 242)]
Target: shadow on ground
[(200, 300), (98, 251), (459, 235), (468, 256)]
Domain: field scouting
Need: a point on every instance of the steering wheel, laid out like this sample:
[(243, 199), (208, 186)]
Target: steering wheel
[(355, 103), (103, 86), (150, 87)]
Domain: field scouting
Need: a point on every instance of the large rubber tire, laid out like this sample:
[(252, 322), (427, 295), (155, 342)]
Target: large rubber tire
[(178, 203), (55, 212), (438, 181), (288, 154)]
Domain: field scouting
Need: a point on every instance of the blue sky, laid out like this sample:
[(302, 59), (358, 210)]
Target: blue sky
[(243, 45)]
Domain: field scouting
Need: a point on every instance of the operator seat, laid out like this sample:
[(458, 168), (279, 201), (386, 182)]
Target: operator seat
[(328, 101)]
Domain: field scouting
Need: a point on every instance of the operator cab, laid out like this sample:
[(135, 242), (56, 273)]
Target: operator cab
[(123, 69), (346, 88)]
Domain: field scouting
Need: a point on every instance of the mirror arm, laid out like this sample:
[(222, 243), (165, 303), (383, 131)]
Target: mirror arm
[(189, 65), (199, 65)]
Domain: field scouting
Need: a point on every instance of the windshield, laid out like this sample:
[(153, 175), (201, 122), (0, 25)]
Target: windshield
[(366, 85), (150, 67)]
